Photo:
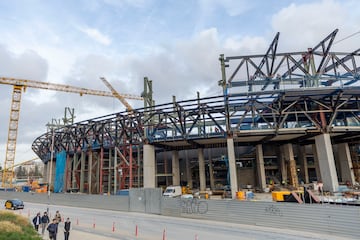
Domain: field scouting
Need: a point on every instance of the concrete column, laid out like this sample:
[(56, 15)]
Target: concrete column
[(82, 171), (202, 169), (46, 172), (51, 164), (74, 170), (260, 167), (283, 165), (149, 166), (303, 164), (175, 168), (345, 163), (90, 158), (326, 162), (67, 173), (188, 170), (99, 172), (211, 171), (289, 157), (316, 163), (232, 166)]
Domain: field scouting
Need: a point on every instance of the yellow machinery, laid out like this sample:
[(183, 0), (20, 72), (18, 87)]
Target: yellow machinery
[(278, 196), (117, 95), (18, 86)]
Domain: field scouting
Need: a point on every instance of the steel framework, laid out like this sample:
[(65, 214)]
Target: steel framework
[(312, 92)]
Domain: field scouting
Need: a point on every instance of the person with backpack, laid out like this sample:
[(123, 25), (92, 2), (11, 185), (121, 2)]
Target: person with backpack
[(37, 221), (52, 228), (44, 222)]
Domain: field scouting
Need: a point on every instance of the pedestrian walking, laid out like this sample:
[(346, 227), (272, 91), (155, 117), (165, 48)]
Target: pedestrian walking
[(58, 216), (67, 227), (44, 222), (37, 221), (52, 228)]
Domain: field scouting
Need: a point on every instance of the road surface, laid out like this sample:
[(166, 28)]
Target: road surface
[(107, 225)]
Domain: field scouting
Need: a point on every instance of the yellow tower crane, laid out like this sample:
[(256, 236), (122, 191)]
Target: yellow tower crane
[(117, 95), (18, 86)]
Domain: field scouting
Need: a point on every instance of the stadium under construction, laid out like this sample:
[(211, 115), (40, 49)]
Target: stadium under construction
[(290, 118)]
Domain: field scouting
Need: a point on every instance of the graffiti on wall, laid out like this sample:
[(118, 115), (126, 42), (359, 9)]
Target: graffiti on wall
[(194, 206)]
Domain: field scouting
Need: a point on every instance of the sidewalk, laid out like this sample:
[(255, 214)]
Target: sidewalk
[(77, 234)]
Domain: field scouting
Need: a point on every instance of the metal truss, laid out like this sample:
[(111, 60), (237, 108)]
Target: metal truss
[(316, 67), (317, 109), (276, 97)]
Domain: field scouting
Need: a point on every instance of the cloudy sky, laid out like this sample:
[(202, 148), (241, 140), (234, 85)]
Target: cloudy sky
[(175, 43)]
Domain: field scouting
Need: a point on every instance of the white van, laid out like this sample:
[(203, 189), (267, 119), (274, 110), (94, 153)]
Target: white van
[(172, 191)]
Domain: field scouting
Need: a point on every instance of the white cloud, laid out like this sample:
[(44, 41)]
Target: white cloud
[(232, 7), (246, 45), (56, 53), (305, 25), (96, 35)]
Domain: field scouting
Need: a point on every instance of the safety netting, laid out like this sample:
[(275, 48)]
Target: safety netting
[(60, 170)]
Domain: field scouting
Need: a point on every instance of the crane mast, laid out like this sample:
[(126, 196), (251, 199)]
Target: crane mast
[(21, 84)]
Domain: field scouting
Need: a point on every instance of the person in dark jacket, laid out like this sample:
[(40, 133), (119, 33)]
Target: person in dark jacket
[(44, 222), (52, 228), (37, 221), (67, 227)]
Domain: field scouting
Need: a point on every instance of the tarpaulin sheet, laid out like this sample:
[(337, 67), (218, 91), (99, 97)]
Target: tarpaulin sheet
[(59, 172)]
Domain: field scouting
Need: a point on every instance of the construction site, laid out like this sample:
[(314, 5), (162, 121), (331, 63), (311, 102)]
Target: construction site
[(284, 121)]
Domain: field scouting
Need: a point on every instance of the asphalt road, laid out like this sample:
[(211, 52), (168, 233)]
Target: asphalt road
[(106, 225)]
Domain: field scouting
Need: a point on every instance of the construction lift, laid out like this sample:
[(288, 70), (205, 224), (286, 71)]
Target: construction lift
[(20, 85)]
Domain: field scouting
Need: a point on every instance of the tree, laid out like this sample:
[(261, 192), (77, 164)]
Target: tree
[(20, 172)]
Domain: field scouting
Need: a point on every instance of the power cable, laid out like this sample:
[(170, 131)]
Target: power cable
[(351, 35)]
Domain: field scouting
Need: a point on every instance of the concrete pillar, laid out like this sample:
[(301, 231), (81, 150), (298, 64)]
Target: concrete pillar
[(149, 166), (326, 162), (67, 173), (99, 172), (51, 164), (345, 163), (188, 170), (211, 171), (260, 167), (89, 180), (82, 171), (283, 165), (316, 163), (232, 166), (202, 169), (46, 172), (289, 158), (175, 168), (74, 171), (303, 163)]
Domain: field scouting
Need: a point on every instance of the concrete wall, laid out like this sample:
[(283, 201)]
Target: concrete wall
[(337, 220)]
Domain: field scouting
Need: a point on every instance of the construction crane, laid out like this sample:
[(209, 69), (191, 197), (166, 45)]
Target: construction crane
[(20, 85), (117, 95), (10, 173)]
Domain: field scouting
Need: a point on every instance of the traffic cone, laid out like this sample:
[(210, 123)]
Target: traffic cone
[(164, 235)]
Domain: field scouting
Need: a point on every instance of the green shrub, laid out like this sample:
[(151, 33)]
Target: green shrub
[(16, 227)]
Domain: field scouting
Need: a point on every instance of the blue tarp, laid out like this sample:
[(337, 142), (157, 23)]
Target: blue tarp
[(60, 170)]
